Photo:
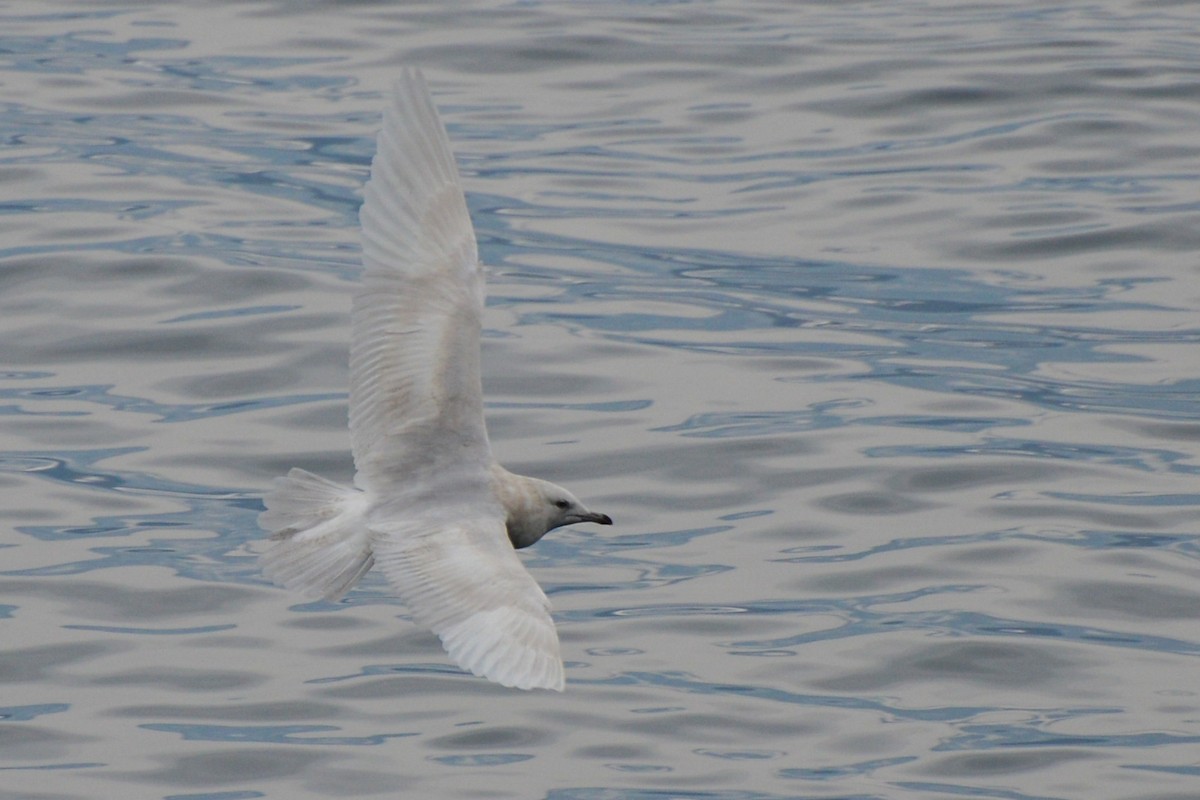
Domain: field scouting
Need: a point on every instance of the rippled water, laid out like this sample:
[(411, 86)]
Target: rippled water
[(874, 325)]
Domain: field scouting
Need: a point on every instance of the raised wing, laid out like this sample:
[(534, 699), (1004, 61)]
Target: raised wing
[(416, 411), (414, 354), (463, 580)]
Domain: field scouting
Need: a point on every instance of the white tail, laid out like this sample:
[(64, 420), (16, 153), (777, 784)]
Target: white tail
[(320, 545)]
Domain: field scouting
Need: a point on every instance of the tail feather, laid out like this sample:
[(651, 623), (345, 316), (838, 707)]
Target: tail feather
[(320, 545)]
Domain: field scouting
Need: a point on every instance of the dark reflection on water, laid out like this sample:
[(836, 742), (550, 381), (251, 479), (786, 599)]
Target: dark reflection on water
[(873, 327)]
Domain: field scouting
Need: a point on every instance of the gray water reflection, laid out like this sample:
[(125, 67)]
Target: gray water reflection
[(874, 326)]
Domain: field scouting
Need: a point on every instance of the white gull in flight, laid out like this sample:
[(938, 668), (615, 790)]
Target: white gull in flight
[(430, 504)]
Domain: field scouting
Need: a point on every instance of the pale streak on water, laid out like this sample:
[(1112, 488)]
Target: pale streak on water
[(874, 325)]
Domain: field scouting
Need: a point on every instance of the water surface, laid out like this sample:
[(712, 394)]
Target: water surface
[(872, 325)]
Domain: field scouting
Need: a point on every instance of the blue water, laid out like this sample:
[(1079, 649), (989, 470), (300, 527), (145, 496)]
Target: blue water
[(874, 327)]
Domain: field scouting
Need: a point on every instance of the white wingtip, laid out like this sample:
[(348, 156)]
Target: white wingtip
[(414, 212), (505, 645)]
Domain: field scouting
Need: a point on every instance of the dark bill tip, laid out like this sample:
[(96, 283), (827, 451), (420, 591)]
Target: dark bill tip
[(601, 519)]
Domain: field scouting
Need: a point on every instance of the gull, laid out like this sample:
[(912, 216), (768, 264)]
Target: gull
[(430, 505)]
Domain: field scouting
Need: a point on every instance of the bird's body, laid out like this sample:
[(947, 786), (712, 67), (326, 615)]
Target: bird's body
[(430, 504)]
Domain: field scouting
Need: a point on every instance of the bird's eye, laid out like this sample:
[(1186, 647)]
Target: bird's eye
[(562, 505)]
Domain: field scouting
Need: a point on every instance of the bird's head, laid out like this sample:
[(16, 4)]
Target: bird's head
[(534, 507)]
